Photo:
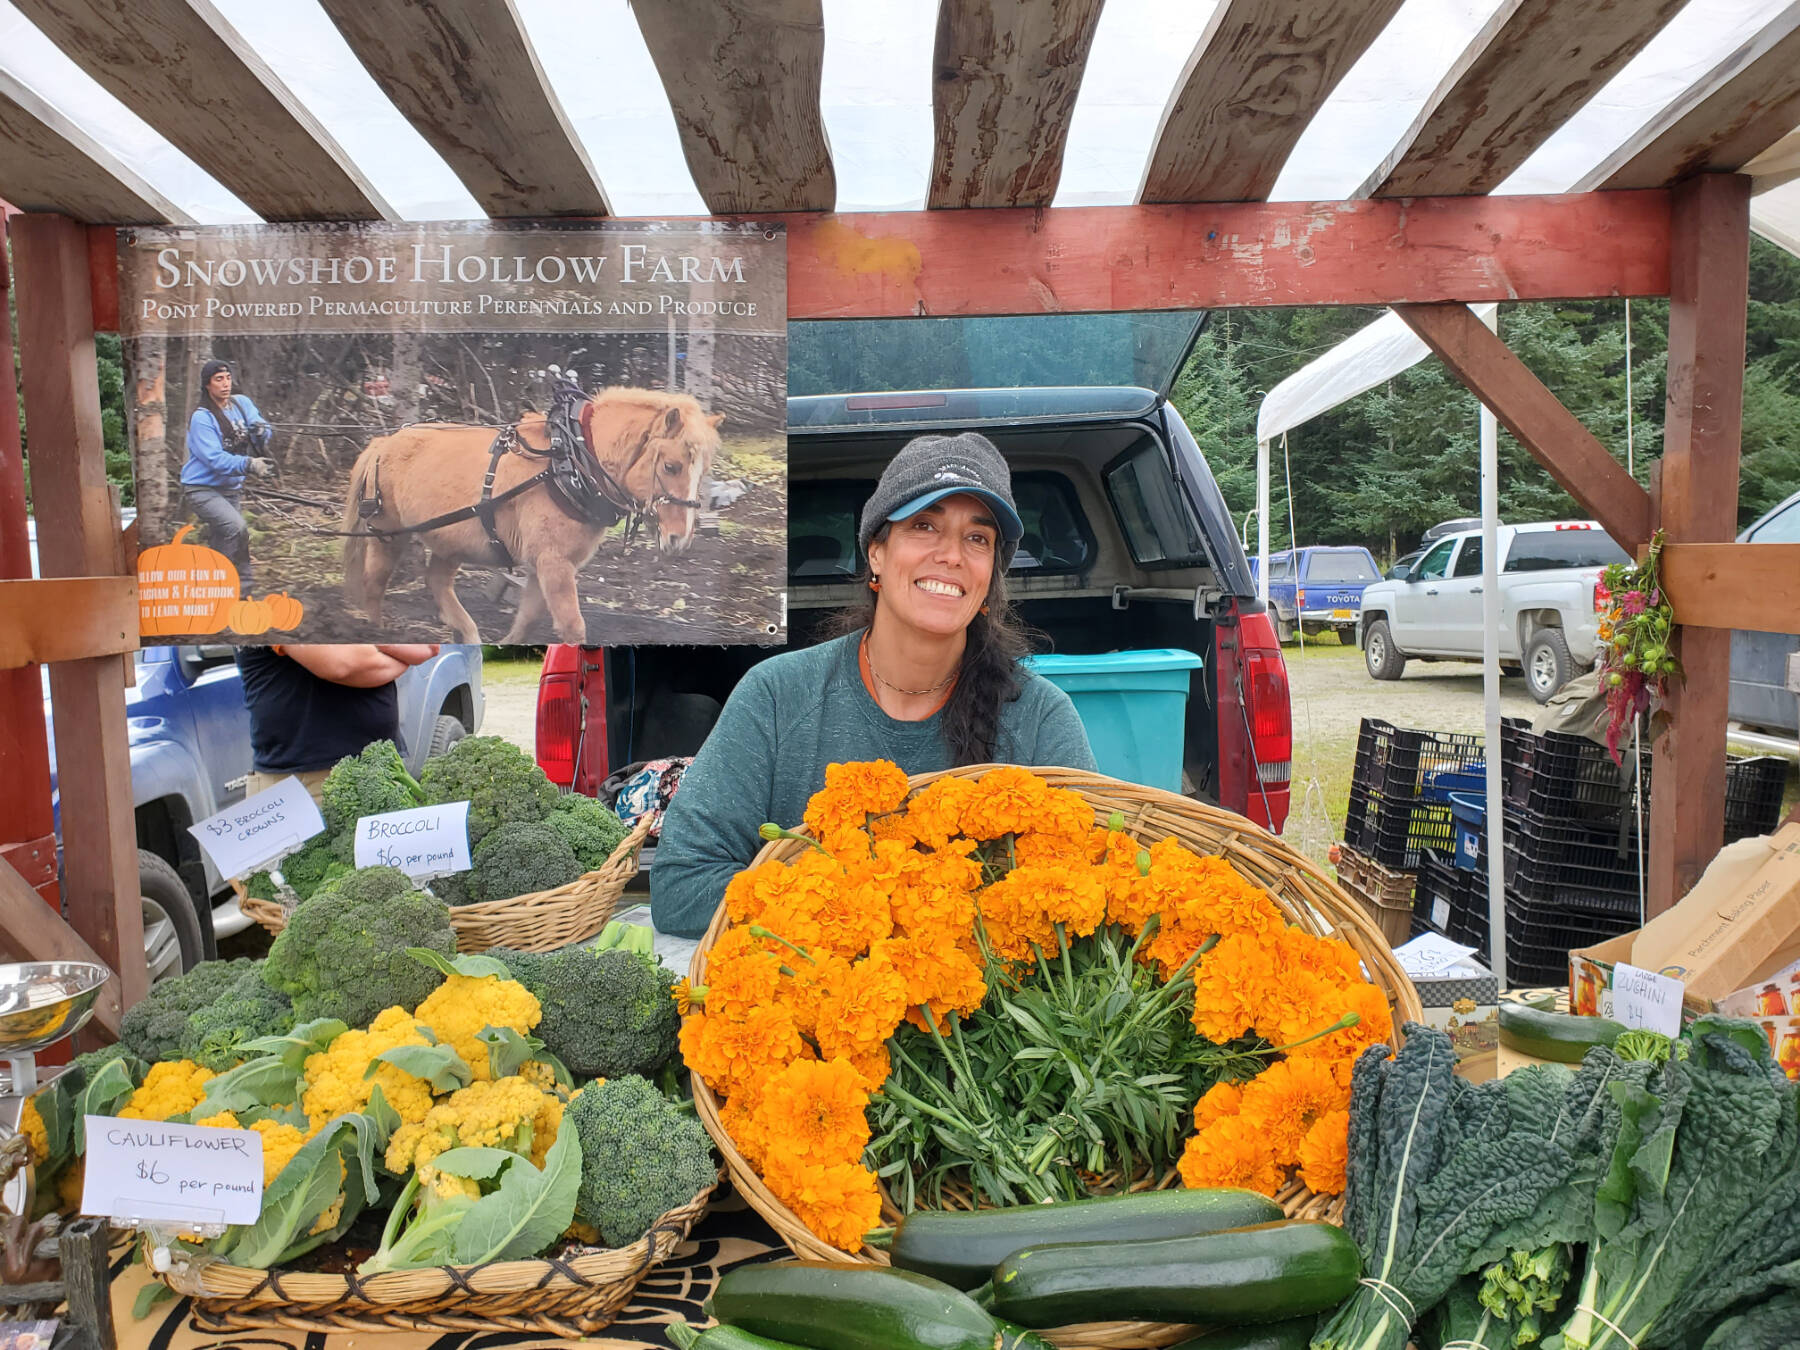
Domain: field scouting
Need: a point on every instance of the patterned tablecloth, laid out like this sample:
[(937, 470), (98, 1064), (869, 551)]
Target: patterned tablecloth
[(729, 1234)]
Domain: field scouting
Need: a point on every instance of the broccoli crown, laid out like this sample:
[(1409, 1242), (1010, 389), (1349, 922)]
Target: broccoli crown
[(217, 1033), (496, 778), (606, 1014), (343, 952), (367, 784), (640, 1157), (588, 828), (156, 1027), (84, 1066), (323, 858), (519, 858)]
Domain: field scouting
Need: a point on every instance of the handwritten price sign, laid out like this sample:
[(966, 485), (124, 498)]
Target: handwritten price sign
[(146, 1171), (426, 841), (258, 829)]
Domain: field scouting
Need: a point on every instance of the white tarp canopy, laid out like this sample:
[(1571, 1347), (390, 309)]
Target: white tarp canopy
[(877, 102)]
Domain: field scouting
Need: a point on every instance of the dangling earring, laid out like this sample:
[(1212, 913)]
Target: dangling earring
[(874, 583), (984, 609)]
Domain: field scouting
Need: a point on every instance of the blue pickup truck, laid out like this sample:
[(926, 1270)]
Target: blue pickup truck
[(190, 756), (1313, 589)]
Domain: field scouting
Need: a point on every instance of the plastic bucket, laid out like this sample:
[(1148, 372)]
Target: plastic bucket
[(1133, 705)]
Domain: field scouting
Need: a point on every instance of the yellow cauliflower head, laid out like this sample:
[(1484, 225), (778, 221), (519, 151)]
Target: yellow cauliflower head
[(171, 1088), (462, 1005), (335, 1081)]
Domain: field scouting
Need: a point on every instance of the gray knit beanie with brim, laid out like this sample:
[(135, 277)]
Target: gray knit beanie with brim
[(930, 468)]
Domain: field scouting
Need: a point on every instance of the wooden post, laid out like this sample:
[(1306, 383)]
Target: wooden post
[(79, 536), (1709, 269), (87, 1275)]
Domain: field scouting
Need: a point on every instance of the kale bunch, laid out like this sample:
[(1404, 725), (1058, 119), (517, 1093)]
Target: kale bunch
[(588, 828), (343, 952), (498, 780), (518, 858), (370, 783), (641, 1156), (205, 1015), (607, 1012)]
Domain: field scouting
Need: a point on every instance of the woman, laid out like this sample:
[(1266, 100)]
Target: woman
[(222, 436), (928, 676)]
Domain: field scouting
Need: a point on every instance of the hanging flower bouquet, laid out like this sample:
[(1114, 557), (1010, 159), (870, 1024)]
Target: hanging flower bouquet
[(980, 996), (1636, 663)]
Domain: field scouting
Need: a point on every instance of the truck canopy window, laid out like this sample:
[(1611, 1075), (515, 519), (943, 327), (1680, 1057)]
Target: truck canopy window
[(1340, 566), (1546, 550), (1159, 525)]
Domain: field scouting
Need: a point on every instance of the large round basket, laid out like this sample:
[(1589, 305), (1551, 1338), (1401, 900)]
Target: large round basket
[(1308, 898), (572, 1294), (538, 922)]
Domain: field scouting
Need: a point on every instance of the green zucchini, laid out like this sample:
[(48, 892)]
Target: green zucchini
[(720, 1337), (837, 1306), (963, 1247), (1266, 1273), (1565, 1037), (1294, 1335)]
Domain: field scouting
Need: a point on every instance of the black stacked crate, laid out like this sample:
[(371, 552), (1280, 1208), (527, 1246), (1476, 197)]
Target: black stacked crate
[(1399, 791)]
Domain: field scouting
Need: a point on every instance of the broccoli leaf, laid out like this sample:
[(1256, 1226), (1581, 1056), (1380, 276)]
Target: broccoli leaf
[(309, 1038), (438, 1065), (529, 1211), (473, 1161), (259, 1082), (473, 966)]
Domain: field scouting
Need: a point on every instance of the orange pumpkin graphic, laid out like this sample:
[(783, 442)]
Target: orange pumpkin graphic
[(286, 610), (184, 588), (249, 616)]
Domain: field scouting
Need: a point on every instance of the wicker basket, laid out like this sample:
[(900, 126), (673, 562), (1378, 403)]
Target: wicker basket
[(539, 922), (1308, 898), (573, 1294)]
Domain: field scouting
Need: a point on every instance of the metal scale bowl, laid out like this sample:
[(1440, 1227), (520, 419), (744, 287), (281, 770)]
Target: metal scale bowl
[(41, 1002)]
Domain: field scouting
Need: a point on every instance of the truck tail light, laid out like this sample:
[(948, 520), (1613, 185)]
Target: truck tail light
[(1269, 712), (558, 725), (1300, 599)]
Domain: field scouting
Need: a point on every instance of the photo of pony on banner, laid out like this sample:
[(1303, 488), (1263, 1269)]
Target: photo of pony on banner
[(475, 432)]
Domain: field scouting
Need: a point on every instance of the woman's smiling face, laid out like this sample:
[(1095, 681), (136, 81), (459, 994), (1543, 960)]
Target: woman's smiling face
[(936, 566)]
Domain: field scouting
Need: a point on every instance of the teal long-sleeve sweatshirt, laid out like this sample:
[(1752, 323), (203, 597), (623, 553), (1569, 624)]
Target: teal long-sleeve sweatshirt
[(790, 717)]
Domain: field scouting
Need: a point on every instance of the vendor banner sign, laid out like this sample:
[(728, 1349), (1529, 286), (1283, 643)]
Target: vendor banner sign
[(477, 432)]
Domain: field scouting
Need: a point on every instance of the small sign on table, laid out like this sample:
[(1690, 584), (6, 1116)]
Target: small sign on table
[(147, 1171), (259, 829), (425, 841), (1642, 998)]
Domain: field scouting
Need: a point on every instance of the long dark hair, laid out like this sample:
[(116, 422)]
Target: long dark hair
[(991, 675), (230, 434)]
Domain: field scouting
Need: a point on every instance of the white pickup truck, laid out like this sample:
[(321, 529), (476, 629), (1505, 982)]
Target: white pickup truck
[(1549, 616)]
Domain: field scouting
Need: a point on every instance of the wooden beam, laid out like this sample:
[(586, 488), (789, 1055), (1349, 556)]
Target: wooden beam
[(1709, 278), (466, 76), (1575, 459), (47, 163), (1004, 78), (1725, 119), (187, 72), (79, 536), (1731, 586), (1258, 74), (30, 931), (743, 79), (1534, 64), (66, 618), (1101, 259)]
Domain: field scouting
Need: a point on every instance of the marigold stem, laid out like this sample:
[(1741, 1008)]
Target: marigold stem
[(1343, 1023), (757, 930), (771, 831)]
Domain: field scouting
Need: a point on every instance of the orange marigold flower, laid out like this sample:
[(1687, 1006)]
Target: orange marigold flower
[(1013, 917), (861, 1010), (1071, 896), (732, 1053), (1231, 1152), (748, 894), (1219, 1101), (1008, 800), (1289, 1098), (816, 1111), (852, 793), (936, 810), (839, 1203), (683, 994), (1341, 1048), (935, 970), (1324, 1153), (822, 910), (738, 1116), (872, 1066)]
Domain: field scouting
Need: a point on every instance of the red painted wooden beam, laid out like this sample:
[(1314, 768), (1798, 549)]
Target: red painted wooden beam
[(905, 264)]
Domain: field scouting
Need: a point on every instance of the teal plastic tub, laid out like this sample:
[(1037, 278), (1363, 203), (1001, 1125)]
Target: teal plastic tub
[(1134, 706)]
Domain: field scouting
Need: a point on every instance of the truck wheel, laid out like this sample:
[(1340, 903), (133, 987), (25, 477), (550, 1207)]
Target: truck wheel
[(1347, 636), (1547, 663), (1384, 660), (174, 940), (445, 732)]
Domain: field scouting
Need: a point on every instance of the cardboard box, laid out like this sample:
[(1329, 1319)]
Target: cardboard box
[(1467, 992), (1774, 1005), (1737, 928)]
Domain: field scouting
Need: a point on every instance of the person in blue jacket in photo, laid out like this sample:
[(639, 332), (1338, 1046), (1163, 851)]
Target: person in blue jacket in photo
[(224, 438)]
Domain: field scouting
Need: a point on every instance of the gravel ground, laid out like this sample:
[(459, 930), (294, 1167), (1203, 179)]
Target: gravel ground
[(511, 686)]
